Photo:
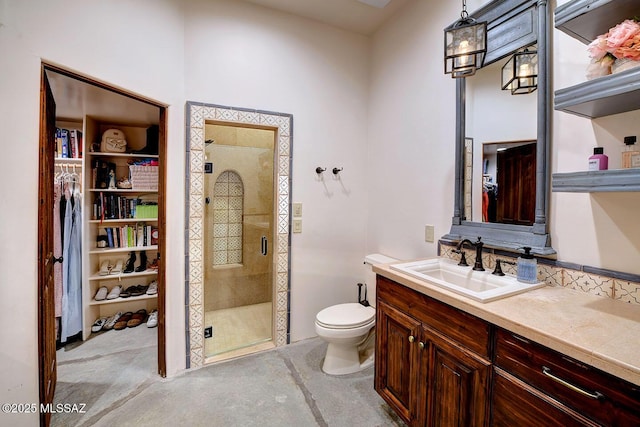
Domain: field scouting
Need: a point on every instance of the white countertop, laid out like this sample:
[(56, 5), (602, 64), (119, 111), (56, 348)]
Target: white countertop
[(601, 332)]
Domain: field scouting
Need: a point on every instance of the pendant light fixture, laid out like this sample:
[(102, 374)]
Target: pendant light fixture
[(520, 73), (465, 44)]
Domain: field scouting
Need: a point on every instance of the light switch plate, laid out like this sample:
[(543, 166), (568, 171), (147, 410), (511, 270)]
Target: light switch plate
[(297, 209), (297, 226), (429, 233)]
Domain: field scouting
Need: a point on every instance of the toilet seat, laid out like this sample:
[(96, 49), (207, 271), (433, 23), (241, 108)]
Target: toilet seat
[(346, 316)]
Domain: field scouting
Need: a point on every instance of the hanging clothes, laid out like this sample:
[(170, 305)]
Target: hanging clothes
[(71, 322), (57, 252)]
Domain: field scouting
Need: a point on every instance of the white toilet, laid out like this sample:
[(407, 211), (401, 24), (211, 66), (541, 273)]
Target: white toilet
[(349, 330)]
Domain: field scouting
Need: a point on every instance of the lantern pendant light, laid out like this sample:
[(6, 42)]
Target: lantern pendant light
[(465, 44), (520, 73)]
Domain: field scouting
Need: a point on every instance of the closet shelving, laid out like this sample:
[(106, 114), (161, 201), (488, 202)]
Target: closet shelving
[(136, 136), (617, 93)]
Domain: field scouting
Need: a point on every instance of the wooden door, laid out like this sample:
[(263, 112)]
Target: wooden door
[(46, 313), (397, 360), (516, 202), (455, 384)]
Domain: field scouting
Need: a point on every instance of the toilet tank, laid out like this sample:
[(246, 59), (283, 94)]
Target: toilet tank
[(370, 276)]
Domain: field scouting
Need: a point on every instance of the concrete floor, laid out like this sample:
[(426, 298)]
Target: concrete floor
[(113, 373)]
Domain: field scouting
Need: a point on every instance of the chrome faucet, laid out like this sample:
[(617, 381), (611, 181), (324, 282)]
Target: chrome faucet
[(478, 246)]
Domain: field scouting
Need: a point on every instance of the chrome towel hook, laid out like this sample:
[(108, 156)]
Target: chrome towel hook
[(319, 170), (336, 170)]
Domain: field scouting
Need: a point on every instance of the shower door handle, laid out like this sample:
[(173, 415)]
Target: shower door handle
[(265, 244)]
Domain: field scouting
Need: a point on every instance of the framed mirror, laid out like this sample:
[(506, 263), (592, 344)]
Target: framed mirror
[(512, 25)]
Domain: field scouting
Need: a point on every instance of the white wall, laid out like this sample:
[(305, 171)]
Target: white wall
[(411, 132), (240, 55), (126, 45)]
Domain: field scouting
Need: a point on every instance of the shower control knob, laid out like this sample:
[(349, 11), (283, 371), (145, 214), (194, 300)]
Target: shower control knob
[(411, 338)]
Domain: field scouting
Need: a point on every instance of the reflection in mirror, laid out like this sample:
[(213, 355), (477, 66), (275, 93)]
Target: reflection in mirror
[(494, 115), (509, 182)]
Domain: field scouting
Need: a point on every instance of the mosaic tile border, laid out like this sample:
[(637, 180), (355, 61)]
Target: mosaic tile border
[(197, 114), (595, 281)]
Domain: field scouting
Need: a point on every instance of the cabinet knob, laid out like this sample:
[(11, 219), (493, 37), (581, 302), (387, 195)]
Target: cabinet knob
[(411, 338), (421, 345)]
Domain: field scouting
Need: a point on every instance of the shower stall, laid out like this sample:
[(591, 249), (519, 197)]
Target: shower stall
[(238, 237)]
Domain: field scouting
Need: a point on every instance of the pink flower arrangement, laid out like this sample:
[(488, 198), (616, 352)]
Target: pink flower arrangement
[(622, 41)]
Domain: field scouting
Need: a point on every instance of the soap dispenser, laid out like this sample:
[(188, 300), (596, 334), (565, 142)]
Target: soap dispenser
[(527, 267)]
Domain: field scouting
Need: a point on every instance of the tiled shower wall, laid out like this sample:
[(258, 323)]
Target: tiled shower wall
[(609, 284)]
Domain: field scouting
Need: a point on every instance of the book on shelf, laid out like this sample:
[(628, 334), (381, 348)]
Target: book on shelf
[(154, 236), (130, 236), (110, 237), (68, 143), (76, 142)]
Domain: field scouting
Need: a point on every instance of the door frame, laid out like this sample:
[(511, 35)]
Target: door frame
[(197, 115), (46, 151)]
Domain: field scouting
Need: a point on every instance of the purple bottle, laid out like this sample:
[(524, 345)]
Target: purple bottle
[(599, 161)]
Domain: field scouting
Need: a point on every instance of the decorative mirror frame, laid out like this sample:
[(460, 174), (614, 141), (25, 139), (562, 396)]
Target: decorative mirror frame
[(197, 115), (511, 25)]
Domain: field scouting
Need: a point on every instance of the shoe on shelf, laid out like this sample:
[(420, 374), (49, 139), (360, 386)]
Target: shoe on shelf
[(126, 293), (138, 290), (153, 288), (105, 268), (98, 324), (143, 262), (122, 321), (153, 265), (152, 322), (118, 267), (111, 321), (101, 295), (130, 263), (137, 318), (115, 292)]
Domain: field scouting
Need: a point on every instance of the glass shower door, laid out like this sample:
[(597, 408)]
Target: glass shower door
[(239, 230)]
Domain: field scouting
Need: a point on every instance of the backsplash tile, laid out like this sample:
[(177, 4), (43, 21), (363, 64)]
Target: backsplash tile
[(549, 274), (590, 283), (627, 291)]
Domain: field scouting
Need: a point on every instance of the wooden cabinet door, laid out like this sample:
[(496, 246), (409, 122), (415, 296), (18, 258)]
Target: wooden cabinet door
[(516, 403), (455, 389), (397, 360)]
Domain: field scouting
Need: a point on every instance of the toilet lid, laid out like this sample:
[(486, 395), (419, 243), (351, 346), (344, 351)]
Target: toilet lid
[(342, 316)]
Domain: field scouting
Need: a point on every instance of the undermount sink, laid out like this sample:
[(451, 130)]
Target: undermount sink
[(479, 285)]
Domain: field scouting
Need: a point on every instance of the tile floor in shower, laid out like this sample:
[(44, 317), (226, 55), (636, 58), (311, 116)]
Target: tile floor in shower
[(238, 327)]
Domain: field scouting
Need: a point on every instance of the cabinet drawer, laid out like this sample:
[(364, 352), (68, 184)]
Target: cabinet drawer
[(594, 393), (465, 329)]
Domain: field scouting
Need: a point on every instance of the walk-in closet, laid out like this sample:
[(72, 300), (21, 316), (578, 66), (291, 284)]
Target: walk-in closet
[(106, 230)]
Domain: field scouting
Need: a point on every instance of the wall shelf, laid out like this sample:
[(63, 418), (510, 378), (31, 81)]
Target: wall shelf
[(612, 94), (596, 181), (147, 272), (585, 20), (120, 300)]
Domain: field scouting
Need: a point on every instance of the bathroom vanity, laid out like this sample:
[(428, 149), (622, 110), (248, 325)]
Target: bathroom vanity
[(547, 357)]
